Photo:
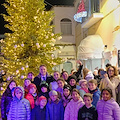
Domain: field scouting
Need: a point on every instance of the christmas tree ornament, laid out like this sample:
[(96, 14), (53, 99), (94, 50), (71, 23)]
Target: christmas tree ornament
[(52, 55), (52, 34), (46, 37), (44, 45), (22, 76), (59, 38), (22, 45), (59, 51), (37, 44), (15, 46), (26, 66), (22, 68), (8, 78), (17, 71)]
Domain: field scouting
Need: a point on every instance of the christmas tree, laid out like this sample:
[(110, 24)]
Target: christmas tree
[(32, 41)]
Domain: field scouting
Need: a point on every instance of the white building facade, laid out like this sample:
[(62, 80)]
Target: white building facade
[(101, 27), (65, 24)]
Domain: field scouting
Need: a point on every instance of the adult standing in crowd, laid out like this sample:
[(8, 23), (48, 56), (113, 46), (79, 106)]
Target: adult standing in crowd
[(111, 80), (43, 76), (6, 99), (65, 75)]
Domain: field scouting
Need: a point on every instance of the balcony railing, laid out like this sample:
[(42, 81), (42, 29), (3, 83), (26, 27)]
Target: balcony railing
[(91, 6)]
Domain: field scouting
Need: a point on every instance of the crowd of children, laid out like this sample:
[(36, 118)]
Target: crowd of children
[(61, 97)]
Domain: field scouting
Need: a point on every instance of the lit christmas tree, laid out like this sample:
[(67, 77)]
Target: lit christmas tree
[(32, 41)]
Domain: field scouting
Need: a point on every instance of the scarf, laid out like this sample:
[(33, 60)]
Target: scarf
[(92, 91), (86, 90)]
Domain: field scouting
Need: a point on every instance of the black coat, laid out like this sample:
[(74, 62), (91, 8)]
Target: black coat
[(85, 113), (46, 94), (38, 114), (37, 81), (5, 103)]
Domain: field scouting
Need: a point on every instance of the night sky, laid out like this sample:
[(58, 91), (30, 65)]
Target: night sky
[(58, 2)]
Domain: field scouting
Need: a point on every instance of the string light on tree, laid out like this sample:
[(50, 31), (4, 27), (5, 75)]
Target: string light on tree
[(44, 45), (17, 71), (59, 38)]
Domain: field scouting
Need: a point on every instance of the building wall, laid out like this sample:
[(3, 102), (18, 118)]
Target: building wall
[(105, 28), (67, 43)]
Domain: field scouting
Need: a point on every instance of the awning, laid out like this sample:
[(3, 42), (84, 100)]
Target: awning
[(90, 48)]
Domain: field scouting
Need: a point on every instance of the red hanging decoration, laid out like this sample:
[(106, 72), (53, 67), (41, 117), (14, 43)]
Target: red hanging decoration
[(81, 7)]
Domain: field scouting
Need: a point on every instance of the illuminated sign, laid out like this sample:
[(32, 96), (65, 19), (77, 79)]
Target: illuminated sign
[(81, 12)]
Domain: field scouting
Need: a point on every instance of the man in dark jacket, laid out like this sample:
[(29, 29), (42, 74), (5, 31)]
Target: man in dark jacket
[(43, 76)]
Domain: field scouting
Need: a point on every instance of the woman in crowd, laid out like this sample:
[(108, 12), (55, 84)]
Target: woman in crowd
[(110, 79), (54, 85), (65, 74), (87, 74), (6, 99)]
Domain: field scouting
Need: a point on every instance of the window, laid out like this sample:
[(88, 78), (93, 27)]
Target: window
[(95, 6), (66, 26)]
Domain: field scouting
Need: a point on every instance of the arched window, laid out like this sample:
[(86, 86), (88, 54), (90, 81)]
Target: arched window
[(66, 26)]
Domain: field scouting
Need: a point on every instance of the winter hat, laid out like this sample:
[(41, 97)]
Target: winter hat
[(28, 79), (67, 87), (44, 84), (53, 92), (19, 89), (30, 86), (72, 77), (81, 81), (42, 98)]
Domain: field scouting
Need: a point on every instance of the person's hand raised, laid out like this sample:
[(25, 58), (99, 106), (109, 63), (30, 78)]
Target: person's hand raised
[(79, 62)]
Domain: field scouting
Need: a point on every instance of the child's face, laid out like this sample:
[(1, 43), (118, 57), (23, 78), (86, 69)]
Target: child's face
[(56, 75), (44, 89), (32, 90), (60, 84), (43, 103), (106, 95), (27, 82), (18, 94), (66, 92), (92, 86), (53, 97), (87, 101), (12, 85), (65, 75), (75, 96), (72, 82), (84, 85), (30, 75)]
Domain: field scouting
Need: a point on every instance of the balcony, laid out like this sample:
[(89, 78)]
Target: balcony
[(93, 9)]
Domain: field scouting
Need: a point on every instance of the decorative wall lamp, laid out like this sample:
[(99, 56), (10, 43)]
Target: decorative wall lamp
[(116, 28)]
